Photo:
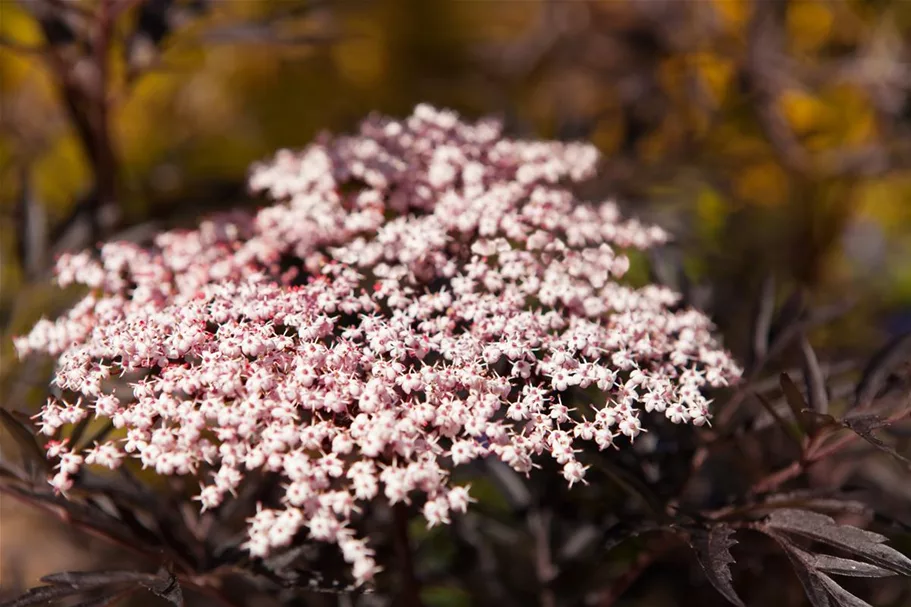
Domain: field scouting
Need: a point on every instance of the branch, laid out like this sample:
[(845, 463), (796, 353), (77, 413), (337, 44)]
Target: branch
[(815, 453)]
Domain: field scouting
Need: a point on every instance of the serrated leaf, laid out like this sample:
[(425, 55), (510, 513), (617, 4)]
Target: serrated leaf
[(881, 364), (795, 401), (811, 569), (167, 587), (713, 551), (865, 423), (822, 528), (864, 426)]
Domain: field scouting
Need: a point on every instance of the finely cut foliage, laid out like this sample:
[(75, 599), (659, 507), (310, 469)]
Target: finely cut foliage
[(422, 294)]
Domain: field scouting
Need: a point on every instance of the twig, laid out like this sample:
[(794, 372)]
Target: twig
[(815, 453), (105, 163), (84, 94)]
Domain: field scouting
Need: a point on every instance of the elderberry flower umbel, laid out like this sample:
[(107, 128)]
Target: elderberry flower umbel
[(420, 295)]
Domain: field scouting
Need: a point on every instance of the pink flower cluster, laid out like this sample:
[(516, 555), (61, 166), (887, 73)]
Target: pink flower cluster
[(420, 295)]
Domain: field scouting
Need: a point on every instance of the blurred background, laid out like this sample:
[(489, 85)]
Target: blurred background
[(771, 137)]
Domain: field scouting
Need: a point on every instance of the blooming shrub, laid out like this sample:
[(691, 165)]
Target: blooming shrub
[(422, 294)]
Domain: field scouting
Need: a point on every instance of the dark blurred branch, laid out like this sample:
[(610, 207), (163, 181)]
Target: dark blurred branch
[(765, 75), (13, 45), (79, 59), (31, 226), (539, 522), (105, 162), (410, 592)]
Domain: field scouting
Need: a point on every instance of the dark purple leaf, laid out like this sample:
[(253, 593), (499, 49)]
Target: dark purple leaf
[(107, 599), (848, 567), (631, 483), (28, 443), (792, 431), (865, 423), (826, 314), (822, 590), (713, 550), (24, 419), (762, 323), (879, 367), (101, 434), (816, 383), (579, 542), (95, 579), (812, 586), (42, 594), (81, 515), (824, 529), (77, 432), (864, 426), (128, 515), (515, 491), (838, 595), (795, 400), (821, 420), (167, 587), (821, 503), (619, 533), (12, 472), (789, 314)]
